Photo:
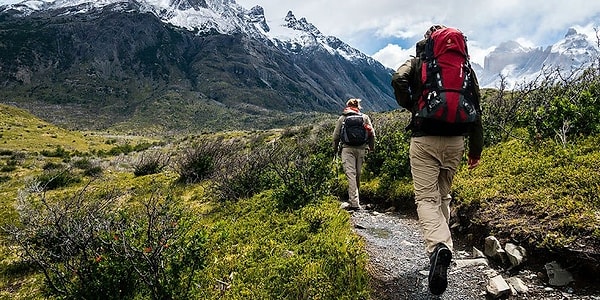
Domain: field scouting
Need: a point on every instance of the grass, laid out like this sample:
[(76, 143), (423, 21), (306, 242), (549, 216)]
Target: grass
[(545, 195), (21, 131), (256, 250), (262, 253)]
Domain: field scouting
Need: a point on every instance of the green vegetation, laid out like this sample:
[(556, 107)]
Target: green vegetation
[(230, 215), (544, 195), (255, 215), (539, 179)]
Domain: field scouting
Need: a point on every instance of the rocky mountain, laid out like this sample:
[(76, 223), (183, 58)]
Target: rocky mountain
[(519, 64), (168, 65)]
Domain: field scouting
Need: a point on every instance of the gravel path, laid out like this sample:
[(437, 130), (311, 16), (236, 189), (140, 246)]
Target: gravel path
[(399, 266)]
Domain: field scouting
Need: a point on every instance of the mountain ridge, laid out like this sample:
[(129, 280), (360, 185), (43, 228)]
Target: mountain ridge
[(117, 62), (206, 55), (519, 64)]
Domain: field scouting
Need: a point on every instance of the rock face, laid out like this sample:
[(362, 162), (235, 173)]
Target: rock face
[(115, 59)]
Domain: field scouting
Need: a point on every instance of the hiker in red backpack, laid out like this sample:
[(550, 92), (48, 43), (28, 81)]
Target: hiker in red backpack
[(440, 89), (353, 136)]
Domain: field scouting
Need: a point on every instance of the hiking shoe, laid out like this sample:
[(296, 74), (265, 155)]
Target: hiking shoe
[(344, 205), (349, 207), (354, 208), (438, 270)]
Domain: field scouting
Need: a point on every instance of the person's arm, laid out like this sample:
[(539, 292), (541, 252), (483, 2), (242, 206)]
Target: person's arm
[(475, 144), (476, 133), (336, 136), (401, 83), (371, 131)]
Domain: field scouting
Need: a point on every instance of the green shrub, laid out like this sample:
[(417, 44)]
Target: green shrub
[(52, 166), (90, 246), (90, 168), (82, 163), (5, 152), (548, 189), (93, 171), (4, 178), (201, 160), (501, 113), (8, 168), (57, 152), (150, 163), (563, 107), (244, 174), (303, 170), (120, 149), (257, 251), (390, 158), (52, 179)]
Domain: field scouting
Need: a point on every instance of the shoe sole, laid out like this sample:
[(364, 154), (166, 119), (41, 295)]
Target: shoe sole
[(438, 278)]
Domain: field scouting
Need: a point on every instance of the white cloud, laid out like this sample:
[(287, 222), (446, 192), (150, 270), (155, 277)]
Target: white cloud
[(385, 29), (392, 56), (532, 23)]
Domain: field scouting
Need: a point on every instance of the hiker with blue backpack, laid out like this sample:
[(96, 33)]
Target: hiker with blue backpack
[(353, 137), (440, 89)]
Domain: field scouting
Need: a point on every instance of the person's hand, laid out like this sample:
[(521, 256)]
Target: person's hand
[(473, 162)]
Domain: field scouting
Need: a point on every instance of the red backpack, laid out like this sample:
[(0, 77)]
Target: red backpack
[(447, 80)]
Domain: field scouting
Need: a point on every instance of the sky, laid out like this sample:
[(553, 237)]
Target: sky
[(388, 29)]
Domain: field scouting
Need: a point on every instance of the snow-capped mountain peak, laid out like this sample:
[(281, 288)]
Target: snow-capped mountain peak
[(301, 24), (511, 47), (518, 64), (574, 43), (222, 16), (200, 15)]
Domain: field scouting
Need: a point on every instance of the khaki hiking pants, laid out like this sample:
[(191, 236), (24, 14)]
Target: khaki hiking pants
[(434, 161), (352, 160)]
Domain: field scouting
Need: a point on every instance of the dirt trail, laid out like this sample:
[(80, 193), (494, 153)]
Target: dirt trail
[(399, 266)]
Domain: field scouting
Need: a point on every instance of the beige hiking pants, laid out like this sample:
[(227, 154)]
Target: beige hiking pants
[(434, 161), (352, 159)]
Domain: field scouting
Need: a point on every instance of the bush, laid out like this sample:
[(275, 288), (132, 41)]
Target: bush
[(120, 149), (391, 157), (57, 177), (5, 152), (90, 246), (83, 163), (563, 107), (4, 178), (93, 171), (89, 167), (8, 168), (52, 166), (543, 194), (303, 168), (150, 163), (203, 159), (57, 152), (501, 113), (244, 174)]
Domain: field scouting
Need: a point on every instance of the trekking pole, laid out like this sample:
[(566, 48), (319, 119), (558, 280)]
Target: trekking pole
[(335, 164)]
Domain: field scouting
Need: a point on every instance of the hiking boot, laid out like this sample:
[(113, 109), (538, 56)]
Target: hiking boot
[(349, 207), (438, 270), (354, 208)]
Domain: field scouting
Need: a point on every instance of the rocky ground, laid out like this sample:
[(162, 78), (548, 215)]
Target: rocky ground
[(399, 266)]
